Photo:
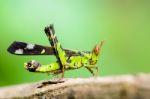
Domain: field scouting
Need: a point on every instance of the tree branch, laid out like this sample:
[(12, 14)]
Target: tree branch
[(114, 87)]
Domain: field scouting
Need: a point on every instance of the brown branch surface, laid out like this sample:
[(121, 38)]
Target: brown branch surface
[(114, 87)]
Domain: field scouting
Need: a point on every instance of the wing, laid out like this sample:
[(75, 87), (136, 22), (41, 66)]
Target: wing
[(22, 48)]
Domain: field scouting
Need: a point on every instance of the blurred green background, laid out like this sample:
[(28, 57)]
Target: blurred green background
[(79, 24)]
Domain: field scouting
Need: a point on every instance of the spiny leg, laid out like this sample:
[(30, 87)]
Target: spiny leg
[(58, 50), (92, 71)]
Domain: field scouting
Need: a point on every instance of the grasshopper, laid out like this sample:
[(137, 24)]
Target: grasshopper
[(66, 59)]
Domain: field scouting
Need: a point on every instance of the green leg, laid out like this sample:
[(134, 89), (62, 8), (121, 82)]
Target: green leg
[(59, 51), (63, 72), (92, 71)]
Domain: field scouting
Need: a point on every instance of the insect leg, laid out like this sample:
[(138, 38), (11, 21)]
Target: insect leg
[(58, 50), (92, 72), (90, 68)]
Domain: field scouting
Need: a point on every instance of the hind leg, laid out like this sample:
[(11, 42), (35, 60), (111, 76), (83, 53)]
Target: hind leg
[(59, 51)]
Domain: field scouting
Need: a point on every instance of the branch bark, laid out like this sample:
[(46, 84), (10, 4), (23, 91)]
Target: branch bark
[(114, 87)]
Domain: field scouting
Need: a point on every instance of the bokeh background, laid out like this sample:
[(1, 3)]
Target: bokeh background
[(79, 24)]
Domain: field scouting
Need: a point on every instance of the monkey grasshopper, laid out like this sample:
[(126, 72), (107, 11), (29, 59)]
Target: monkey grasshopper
[(66, 59)]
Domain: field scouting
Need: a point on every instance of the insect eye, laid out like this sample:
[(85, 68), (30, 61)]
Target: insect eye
[(29, 64), (36, 64)]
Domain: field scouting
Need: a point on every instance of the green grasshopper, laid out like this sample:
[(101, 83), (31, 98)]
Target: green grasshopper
[(66, 59)]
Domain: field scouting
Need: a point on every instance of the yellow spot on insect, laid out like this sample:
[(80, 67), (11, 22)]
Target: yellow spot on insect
[(43, 51)]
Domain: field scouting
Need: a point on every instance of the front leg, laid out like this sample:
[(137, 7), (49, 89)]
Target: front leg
[(90, 68), (91, 71)]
